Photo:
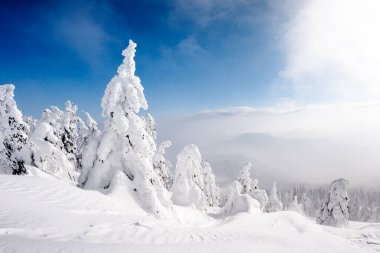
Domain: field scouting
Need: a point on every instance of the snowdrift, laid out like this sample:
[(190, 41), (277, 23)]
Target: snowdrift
[(46, 215)]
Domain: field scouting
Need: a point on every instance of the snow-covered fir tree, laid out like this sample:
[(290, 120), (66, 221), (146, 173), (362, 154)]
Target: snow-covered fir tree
[(31, 122), (89, 149), (244, 178), (295, 206), (48, 151), (15, 147), (162, 166), (210, 188), (259, 194), (306, 205), (126, 148), (274, 204), (72, 135), (335, 209), (188, 185), (238, 202)]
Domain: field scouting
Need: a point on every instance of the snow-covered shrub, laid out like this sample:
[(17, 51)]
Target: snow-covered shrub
[(258, 194), (188, 185), (274, 204), (244, 178), (162, 166), (238, 203), (211, 190), (15, 146), (335, 209), (126, 144), (295, 206)]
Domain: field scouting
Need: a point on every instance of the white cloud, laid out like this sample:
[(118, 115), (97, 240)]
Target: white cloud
[(332, 49)]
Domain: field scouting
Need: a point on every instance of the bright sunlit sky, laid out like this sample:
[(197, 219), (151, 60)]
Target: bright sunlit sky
[(290, 68), (192, 55)]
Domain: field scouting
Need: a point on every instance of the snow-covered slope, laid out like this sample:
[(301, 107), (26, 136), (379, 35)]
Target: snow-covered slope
[(46, 215)]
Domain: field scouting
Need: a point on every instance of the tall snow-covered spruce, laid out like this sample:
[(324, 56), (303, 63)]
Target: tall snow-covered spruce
[(15, 147), (335, 210), (124, 156)]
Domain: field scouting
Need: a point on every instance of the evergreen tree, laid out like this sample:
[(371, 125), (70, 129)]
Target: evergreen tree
[(126, 148), (162, 166), (245, 178), (88, 151), (210, 189), (15, 147), (258, 194), (274, 204), (295, 206), (189, 186), (335, 210), (48, 152)]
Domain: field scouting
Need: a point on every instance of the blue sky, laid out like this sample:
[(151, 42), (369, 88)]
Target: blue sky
[(191, 55)]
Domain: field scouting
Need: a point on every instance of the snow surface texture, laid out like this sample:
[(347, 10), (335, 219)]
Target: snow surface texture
[(40, 215), (335, 210)]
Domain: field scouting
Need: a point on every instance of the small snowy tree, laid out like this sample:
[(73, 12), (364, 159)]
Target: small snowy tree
[(188, 185), (258, 194), (162, 166), (48, 151), (126, 146), (335, 210), (244, 178), (238, 203), (274, 204), (88, 152), (31, 122), (210, 189), (69, 134), (15, 147), (295, 206), (306, 205)]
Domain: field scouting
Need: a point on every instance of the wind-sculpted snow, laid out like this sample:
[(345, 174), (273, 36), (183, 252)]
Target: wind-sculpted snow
[(45, 215)]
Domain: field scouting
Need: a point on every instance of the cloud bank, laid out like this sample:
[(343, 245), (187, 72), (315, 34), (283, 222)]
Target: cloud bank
[(313, 143), (332, 49)]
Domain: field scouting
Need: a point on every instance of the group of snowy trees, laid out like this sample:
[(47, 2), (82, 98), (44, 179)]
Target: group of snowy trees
[(364, 204), (124, 157)]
